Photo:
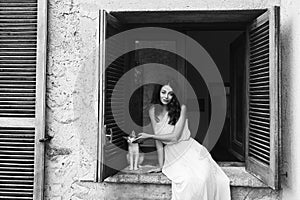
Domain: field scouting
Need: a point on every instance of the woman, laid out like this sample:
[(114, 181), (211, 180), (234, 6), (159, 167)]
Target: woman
[(188, 164)]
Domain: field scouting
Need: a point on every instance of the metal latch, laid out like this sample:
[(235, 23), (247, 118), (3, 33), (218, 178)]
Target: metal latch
[(109, 135), (47, 138)]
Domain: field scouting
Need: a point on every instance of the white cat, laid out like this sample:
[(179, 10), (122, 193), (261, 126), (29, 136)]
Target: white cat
[(134, 156)]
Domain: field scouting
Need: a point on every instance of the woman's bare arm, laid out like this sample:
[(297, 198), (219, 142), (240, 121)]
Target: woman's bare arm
[(158, 144), (160, 153), (152, 116)]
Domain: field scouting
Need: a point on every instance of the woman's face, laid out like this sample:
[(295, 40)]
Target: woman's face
[(166, 94)]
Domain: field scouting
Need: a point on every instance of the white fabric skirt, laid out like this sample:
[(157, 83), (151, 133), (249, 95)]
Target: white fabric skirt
[(194, 174)]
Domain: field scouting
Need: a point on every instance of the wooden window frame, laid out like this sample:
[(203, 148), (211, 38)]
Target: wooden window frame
[(234, 26), (40, 119)]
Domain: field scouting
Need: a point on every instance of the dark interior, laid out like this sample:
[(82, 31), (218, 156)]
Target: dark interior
[(222, 36)]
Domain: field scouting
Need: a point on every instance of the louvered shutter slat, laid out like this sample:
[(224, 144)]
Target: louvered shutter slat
[(14, 8), (255, 74), (18, 45), (264, 127), (16, 169), (11, 69), (17, 188), (22, 165), (16, 90), (18, 3), (13, 198), (254, 121), (12, 54), (259, 45), (259, 48), (18, 61), (259, 34)]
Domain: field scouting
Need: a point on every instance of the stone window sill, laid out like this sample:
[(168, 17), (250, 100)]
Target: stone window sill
[(238, 176)]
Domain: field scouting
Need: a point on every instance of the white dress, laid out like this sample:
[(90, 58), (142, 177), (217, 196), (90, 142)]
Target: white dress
[(190, 167)]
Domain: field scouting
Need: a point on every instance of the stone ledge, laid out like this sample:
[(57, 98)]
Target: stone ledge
[(238, 176)]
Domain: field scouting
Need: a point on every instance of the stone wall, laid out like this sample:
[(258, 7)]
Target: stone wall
[(72, 96)]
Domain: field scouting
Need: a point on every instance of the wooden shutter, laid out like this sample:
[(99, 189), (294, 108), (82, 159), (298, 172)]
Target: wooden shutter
[(113, 149), (22, 98), (263, 103)]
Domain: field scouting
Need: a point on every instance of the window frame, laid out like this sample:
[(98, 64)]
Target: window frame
[(236, 26), (41, 100)]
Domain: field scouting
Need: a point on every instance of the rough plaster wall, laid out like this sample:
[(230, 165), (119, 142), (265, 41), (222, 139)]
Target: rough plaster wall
[(71, 111), (71, 89), (290, 37)]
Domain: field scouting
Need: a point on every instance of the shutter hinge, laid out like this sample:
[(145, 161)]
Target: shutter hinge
[(47, 138)]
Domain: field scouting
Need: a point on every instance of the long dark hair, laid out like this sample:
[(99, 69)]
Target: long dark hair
[(173, 107)]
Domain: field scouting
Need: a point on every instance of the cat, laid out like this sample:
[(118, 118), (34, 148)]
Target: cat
[(134, 156)]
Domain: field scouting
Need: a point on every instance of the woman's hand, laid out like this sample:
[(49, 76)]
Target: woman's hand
[(143, 136)]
